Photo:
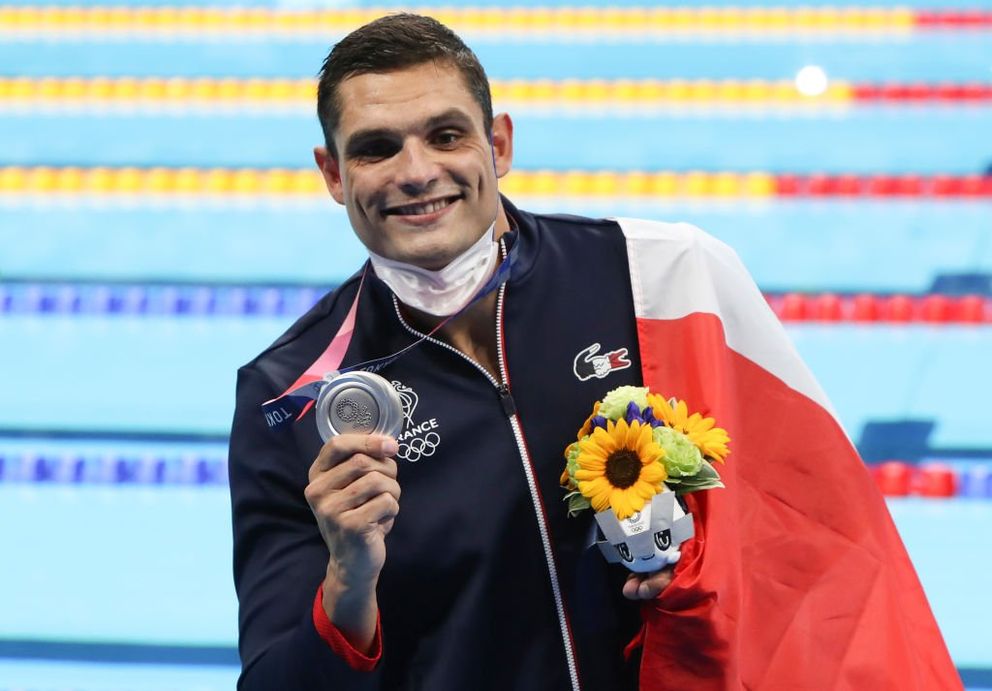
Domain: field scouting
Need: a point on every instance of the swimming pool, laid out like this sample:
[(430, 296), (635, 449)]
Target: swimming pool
[(115, 512)]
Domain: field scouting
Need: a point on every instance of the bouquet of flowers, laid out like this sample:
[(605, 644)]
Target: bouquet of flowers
[(635, 453)]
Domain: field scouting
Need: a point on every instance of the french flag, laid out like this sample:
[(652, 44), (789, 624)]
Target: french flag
[(796, 577)]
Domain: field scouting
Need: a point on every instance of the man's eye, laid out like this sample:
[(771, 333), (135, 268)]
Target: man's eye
[(447, 138), (376, 150)]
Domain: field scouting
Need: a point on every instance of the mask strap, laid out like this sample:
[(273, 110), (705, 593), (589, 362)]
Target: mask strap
[(296, 400)]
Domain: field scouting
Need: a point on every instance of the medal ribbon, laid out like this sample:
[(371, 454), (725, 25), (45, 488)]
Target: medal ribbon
[(295, 401)]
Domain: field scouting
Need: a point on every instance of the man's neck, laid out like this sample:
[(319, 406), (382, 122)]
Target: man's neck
[(473, 332)]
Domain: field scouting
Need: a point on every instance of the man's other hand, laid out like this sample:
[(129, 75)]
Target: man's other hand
[(641, 586)]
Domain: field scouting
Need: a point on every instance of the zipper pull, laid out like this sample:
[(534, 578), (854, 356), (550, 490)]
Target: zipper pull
[(506, 400)]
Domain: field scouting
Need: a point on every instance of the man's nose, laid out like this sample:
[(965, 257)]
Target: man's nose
[(417, 167)]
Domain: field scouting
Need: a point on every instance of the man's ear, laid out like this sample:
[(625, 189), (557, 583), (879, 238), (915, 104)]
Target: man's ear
[(502, 144), (330, 171)]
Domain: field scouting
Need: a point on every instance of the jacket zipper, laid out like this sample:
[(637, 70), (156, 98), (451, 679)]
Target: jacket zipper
[(510, 409)]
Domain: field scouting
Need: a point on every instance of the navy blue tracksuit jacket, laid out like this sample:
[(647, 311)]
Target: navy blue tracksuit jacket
[(488, 583)]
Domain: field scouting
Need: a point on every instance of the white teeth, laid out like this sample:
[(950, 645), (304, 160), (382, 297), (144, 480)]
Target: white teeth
[(419, 209)]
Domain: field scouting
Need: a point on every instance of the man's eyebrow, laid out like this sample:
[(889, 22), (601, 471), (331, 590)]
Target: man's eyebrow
[(452, 116)]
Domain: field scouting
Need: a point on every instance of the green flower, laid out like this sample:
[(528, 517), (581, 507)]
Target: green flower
[(682, 458), (614, 405), (572, 459), (576, 501)]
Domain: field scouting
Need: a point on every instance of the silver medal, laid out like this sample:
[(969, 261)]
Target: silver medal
[(358, 403)]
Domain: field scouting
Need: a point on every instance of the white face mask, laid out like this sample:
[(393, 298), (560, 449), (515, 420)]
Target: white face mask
[(444, 292)]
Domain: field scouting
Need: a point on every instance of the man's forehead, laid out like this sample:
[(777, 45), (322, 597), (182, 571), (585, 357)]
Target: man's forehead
[(416, 92), (429, 69)]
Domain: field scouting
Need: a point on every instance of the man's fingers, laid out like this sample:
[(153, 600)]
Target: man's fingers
[(344, 446), (343, 474), (336, 501), (347, 468), (640, 587), (630, 587), (379, 510)]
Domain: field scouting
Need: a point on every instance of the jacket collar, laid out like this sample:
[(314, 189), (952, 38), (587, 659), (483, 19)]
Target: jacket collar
[(523, 230)]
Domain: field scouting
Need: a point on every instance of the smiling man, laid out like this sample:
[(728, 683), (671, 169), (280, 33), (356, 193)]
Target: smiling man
[(445, 558), (475, 577)]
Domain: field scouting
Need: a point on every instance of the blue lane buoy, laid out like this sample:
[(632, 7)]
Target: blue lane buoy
[(164, 300), (112, 469), (976, 482)]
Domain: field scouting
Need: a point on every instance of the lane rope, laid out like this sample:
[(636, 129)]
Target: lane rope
[(574, 23), (112, 469), (934, 479), (118, 299), (254, 183), (179, 93)]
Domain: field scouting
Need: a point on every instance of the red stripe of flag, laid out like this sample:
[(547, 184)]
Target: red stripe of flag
[(797, 577)]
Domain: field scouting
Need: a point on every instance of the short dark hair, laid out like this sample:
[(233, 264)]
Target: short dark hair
[(391, 43)]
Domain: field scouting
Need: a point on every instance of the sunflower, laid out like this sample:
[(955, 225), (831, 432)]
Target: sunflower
[(618, 467), (710, 440)]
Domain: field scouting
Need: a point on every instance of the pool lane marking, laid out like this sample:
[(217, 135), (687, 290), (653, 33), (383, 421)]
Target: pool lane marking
[(573, 23), (18, 183), (178, 94)]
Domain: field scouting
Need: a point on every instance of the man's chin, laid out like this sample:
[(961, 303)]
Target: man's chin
[(418, 247)]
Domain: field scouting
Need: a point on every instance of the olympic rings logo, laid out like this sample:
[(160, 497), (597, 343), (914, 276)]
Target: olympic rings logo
[(419, 447)]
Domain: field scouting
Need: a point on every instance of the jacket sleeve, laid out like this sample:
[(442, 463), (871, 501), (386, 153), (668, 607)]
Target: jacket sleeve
[(279, 557)]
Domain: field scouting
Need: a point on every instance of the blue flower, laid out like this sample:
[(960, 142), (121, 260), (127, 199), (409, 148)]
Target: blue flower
[(648, 416), (597, 421), (632, 413)]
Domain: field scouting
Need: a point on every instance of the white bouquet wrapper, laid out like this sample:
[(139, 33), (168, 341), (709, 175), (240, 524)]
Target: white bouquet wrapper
[(650, 539)]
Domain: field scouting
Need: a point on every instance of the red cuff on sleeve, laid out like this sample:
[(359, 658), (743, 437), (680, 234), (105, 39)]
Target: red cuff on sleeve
[(332, 635)]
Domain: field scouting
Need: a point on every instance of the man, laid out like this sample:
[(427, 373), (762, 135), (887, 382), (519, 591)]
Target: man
[(481, 580), (445, 558)]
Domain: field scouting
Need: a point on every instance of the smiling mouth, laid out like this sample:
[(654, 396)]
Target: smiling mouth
[(422, 208)]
